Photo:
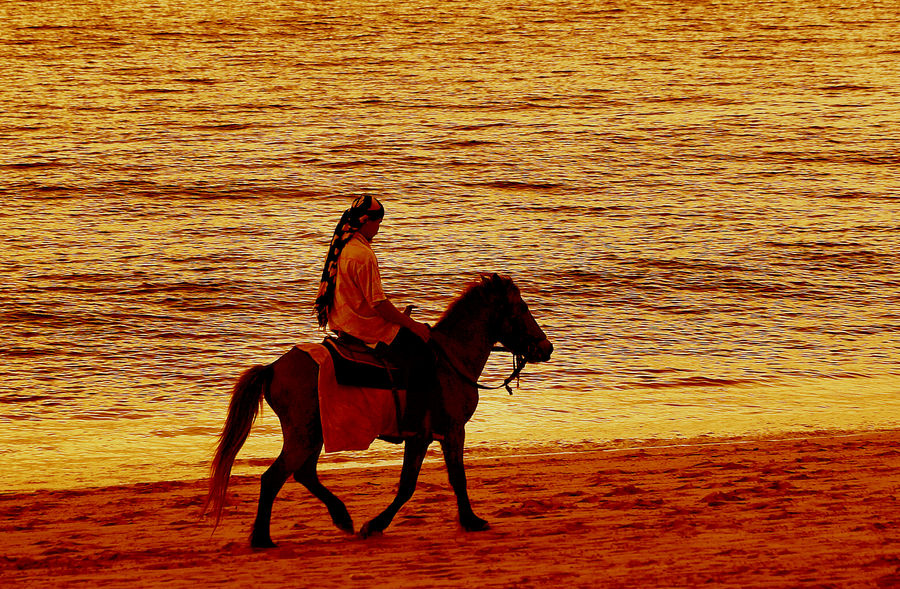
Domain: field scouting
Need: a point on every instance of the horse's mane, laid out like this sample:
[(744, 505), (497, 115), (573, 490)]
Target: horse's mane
[(476, 293)]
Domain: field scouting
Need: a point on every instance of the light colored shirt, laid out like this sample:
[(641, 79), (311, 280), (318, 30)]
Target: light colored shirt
[(357, 290)]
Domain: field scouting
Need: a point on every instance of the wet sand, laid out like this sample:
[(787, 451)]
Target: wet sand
[(810, 510)]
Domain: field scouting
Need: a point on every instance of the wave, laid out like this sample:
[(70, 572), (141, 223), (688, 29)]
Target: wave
[(346, 164), (479, 126), (724, 287), (450, 143), (692, 382), (158, 90), (515, 185), (43, 400), (26, 352), (37, 165), (868, 329), (202, 81), (839, 157), (837, 254), (103, 191), (846, 87), (578, 210), (851, 195), (44, 319), (223, 127)]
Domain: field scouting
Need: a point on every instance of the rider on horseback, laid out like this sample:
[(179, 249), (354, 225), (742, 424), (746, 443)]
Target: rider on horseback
[(351, 302)]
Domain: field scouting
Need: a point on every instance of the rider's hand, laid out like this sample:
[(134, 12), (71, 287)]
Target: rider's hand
[(421, 330)]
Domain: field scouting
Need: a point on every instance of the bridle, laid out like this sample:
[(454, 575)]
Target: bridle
[(519, 363)]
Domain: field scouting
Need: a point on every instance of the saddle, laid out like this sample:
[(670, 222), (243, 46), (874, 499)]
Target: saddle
[(359, 366), (356, 364)]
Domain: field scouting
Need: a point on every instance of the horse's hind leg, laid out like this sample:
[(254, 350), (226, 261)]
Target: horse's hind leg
[(306, 475), (413, 455), (271, 482)]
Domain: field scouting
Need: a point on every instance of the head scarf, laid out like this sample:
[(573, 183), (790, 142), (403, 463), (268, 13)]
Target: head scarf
[(364, 209)]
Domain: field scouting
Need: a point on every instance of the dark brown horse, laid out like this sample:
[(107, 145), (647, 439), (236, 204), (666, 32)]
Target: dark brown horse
[(489, 311)]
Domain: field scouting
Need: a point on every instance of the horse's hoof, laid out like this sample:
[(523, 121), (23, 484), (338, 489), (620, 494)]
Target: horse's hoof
[(366, 531), (475, 524), (262, 543), (345, 526)]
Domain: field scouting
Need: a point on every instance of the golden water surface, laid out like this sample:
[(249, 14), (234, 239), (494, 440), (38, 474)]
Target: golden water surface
[(698, 200)]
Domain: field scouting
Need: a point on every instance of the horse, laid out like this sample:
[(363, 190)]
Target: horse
[(489, 311)]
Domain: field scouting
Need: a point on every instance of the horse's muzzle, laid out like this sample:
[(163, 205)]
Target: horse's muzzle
[(539, 352)]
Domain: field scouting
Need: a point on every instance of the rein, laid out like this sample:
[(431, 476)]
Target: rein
[(519, 363)]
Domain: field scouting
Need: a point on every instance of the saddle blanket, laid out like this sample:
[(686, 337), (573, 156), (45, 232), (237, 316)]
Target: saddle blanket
[(352, 416)]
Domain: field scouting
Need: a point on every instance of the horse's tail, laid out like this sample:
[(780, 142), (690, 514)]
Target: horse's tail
[(246, 400)]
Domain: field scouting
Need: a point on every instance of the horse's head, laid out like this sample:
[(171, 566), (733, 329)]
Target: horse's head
[(516, 327)]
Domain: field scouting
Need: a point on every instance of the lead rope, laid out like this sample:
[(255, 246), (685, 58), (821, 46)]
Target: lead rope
[(519, 363)]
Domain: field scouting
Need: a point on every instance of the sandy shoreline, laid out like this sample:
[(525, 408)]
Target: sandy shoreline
[(818, 510)]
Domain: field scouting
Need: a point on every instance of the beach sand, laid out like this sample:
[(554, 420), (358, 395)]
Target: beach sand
[(817, 510)]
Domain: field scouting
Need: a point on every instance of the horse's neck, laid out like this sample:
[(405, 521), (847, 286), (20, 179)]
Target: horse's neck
[(467, 339)]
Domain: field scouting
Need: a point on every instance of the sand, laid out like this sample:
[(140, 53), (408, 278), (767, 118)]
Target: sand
[(816, 510)]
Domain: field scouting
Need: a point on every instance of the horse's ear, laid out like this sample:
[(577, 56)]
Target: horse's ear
[(501, 279), (496, 281), (492, 280), (500, 283)]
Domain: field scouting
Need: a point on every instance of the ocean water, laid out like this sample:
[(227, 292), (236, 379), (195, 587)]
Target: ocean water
[(698, 200)]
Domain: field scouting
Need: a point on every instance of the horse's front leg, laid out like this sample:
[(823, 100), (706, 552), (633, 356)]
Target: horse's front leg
[(452, 446), (413, 455)]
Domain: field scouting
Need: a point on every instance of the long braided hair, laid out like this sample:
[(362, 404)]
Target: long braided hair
[(364, 208)]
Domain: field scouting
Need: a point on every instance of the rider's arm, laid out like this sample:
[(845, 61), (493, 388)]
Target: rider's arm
[(389, 312)]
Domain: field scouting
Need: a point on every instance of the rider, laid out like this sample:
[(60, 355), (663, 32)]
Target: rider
[(351, 301)]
